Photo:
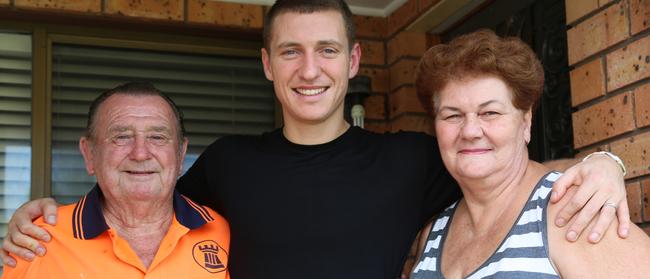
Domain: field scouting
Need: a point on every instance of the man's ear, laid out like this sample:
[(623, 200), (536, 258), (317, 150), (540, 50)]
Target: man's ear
[(267, 64), (183, 151), (355, 59), (86, 148)]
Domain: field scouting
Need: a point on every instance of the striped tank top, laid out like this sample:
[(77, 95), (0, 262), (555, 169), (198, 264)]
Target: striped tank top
[(522, 254)]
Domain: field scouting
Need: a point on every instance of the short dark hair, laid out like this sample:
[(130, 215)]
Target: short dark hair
[(308, 7), (133, 89), (478, 54)]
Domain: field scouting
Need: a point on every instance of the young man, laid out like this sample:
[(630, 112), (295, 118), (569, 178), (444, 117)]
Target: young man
[(321, 199)]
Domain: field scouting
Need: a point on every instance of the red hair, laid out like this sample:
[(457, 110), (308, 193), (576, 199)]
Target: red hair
[(478, 54)]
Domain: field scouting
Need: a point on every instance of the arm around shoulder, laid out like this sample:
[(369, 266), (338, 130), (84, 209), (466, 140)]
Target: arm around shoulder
[(34, 268), (612, 257)]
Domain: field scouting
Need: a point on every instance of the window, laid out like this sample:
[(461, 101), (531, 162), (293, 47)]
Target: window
[(49, 74), (218, 95), (15, 122)]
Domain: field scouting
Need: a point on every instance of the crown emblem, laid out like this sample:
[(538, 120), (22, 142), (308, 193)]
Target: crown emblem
[(210, 256)]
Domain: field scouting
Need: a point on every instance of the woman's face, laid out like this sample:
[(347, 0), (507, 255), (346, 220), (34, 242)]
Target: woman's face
[(479, 131)]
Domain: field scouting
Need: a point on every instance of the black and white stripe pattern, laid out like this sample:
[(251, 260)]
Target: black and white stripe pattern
[(522, 254)]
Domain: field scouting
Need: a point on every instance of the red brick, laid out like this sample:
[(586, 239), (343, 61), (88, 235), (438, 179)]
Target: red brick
[(617, 26), (375, 106), (402, 16), (168, 9), (402, 72), (598, 32), (628, 64), (377, 127), (634, 201), (93, 6), (587, 82), (642, 105), (225, 14), (577, 8), (586, 39), (601, 121), (380, 82), (639, 15), (370, 26), (372, 53), (645, 197), (404, 100), (635, 153), (407, 44), (417, 123)]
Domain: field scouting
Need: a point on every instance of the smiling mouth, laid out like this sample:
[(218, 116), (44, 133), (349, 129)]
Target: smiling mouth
[(474, 151), (310, 91), (140, 172)]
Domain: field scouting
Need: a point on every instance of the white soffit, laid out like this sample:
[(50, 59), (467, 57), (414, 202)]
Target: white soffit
[(380, 8)]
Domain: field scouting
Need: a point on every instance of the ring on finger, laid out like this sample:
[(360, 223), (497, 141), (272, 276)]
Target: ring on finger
[(612, 204)]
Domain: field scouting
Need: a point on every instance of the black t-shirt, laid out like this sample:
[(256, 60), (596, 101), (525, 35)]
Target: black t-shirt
[(349, 208)]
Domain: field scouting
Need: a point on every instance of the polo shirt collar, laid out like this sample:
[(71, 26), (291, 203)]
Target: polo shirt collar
[(88, 220)]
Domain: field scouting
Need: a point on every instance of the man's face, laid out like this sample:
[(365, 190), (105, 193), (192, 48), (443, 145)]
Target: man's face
[(134, 151), (310, 63)]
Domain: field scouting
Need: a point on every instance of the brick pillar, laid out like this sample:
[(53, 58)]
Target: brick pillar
[(609, 51), (404, 50), (405, 112), (371, 32)]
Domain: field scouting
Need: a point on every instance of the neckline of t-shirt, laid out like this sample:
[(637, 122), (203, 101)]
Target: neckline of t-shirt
[(348, 136)]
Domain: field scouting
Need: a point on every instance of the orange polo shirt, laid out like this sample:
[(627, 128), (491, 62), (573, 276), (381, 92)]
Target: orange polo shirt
[(84, 246)]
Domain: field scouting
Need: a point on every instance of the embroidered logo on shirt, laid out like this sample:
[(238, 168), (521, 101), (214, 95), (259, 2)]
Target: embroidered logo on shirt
[(210, 256)]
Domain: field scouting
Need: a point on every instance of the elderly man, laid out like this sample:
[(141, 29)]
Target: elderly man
[(133, 224)]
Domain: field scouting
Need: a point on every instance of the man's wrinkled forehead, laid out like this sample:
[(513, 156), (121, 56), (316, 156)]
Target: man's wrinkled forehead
[(121, 128), (133, 109), (140, 105)]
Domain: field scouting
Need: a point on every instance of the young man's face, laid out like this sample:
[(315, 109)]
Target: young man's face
[(310, 63)]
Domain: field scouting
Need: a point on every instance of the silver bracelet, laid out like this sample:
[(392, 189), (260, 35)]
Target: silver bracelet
[(610, 155)]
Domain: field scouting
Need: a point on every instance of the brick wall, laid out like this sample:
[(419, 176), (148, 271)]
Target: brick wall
[(405, 48), (609, 52), (398, 107), (181, 12)]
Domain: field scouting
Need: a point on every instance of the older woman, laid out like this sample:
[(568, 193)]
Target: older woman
[(481, 90)]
